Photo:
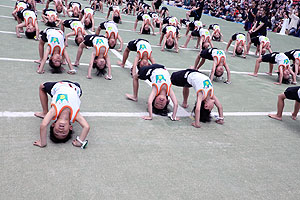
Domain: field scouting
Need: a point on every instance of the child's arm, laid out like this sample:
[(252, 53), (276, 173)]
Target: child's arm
[(280, 76), (164, 43), (228, 81), (37, 31), (43, 129), (234, 49), (136, 60), (71, 69), (143, 24), (221, 40), (93, 24), (293, 75), (152, 28), (43, 61), (220, 119), (68, 35), (213, 69), (79, 53), (245, 50), (176, 44), (121, 43), (17, 29), (85, 130), (161, 38), (98, 31), (152, 60), (89, 76), (228, 45), (260, 50), (108, 76), (196, 123), (175, 104), (150, 100)]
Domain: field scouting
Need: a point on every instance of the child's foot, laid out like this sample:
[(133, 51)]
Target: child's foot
[(270, 74), (121, 64), (255, 75), (275, 116), (37, 61), (294, 116), (184, 105), (40, 115), (131, 97), (182, 46)]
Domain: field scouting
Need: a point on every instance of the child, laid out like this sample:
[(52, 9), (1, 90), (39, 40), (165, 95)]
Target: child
[(145, 29), (219, 61), (205, 94), (283, 63), (20, 5), (156, 4), (239, 45), (99, 59), (203, 39), (64, 110), (74, 8), (156, 22), (87, 18), (112, 34), (116, 16), (59, 7), (97, 4), (161, 89), (144, 53), (216, 35), (29, 19), (170, 36), (56, 50), (295, 56), (173, 21), (292, 93), (77, 30), (50, 18), (262, 44), (191, 26)]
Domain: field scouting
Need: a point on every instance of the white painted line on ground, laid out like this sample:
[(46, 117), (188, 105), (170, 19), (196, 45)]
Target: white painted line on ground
[(128, 64), (10, 114)]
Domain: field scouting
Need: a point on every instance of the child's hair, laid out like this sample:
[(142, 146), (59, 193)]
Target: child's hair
[(55, 69), (214, 38), (238, 52), (88, 26), (30, 35), (56, 140), (170, 46), (144, 31), (112, 47), (284, 80), (51, 24), (76, 40), (204, 113), (116, 19), (217, 75), (162, 112), (100, 72)]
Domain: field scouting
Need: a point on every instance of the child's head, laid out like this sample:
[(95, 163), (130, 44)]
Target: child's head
[(112, 42), (55, 61), (100, 65), (146, 29), (263, 51), (205, 45), (51, 24), (160, 105), (170, 43), (78, 39), (87, 23), (60, 131), (75, 12), (286, 76), (59, 8), (239, 50), (143, 62), (219, 71), (217, 36), (116, 18), (205, 110)]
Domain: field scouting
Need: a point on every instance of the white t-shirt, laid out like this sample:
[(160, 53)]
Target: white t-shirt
[(56, 39), (111, 28), (98, 43), (159, 78), (201, 83), (144, 47), (282, 61)]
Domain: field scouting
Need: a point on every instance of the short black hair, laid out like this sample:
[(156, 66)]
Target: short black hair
[(238, 53), (217, 75), (284, 81), (30, 35), (88, 26), (56, 140), (144, 31), (170, 46), (116, 19), (204, 113), (100, 72), (55, 69), (214, 38), (162, 112), (112, 47), (51, 24)]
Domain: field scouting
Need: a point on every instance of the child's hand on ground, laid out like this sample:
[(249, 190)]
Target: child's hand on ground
[(147, 118), (38, 143), (196, 125), (76, 143), (108, 77)]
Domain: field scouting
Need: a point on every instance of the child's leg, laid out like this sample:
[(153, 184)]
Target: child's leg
[(125, 56), (134, 97), (135, 25), (185, 92), (41, 50), (44, 102), (280, 106), (187, 41), (258, 61), (296, 110), (270, 69)]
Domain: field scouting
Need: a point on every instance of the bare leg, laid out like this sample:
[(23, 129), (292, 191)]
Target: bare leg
[(280, 106), (258, 61), (296, 110), (270, 69), (44, 102), (125, 56), (187, 41), (134, 97), (185, 92)]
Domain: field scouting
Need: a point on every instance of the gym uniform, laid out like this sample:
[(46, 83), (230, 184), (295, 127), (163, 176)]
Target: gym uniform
[(264, 41), (146, 18), (293, 93), (193, 78), (171, 29), (110, 28), (97, 42), (157, 4), (157, 75), (26, 14), (170, 21), (87, 12), (212, 53), (293, 54), (239, 37), (215, 28), (55, 38), (74, 4), (65, 94), (21, 5), (75, 25)]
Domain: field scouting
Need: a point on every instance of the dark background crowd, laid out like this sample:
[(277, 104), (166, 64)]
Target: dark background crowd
[(282, 15)]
